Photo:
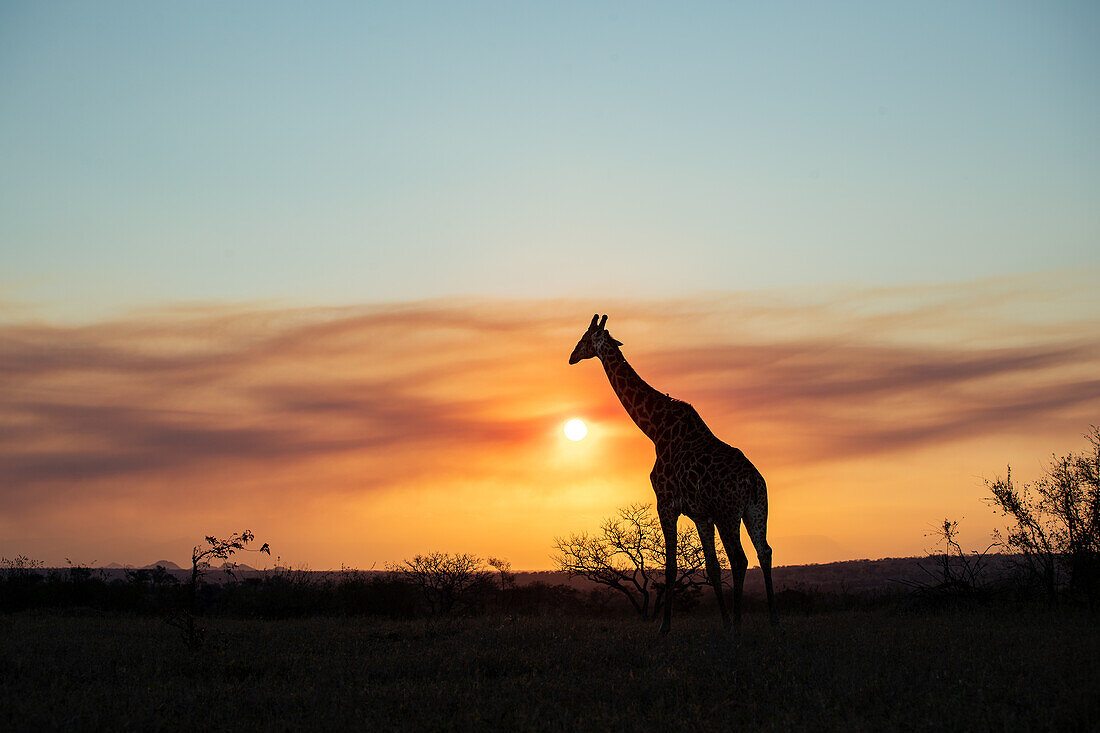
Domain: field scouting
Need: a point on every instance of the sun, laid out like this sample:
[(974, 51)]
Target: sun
[(575, 430)]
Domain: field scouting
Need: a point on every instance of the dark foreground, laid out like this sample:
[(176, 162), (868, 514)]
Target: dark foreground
[(984, 669)]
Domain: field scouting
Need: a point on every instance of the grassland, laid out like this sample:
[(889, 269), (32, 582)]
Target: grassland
[(1005, 668)]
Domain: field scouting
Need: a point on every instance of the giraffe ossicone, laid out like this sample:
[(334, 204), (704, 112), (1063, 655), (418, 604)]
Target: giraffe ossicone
[(695, 474)]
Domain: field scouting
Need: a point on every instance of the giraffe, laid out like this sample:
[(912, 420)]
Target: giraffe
[(695, 474)]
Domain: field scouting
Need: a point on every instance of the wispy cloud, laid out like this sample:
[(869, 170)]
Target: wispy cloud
[(465, 391), (859, 398), (126, 399)]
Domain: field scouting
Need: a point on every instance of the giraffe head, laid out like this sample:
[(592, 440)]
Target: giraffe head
[(595, 337)]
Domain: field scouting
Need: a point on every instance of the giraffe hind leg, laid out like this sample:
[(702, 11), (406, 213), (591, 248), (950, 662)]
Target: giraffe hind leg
[(739, 563), (757, 526), (714, 568)]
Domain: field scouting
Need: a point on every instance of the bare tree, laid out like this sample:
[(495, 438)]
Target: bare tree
[(628, 555), (446, 581), (956, 574), (507, 577), (1057, 521), (184, 620)]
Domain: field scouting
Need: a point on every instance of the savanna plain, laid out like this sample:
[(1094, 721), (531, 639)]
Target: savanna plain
[(894, 666)]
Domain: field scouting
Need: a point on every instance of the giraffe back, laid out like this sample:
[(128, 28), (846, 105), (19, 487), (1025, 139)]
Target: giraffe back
[(698, 474)]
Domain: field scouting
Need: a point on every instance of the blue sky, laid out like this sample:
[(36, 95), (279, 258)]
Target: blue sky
[(363, 152)]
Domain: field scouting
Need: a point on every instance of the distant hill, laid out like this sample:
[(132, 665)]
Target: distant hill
[(846, 577), (849, 577), (166, 564), (237, 567)]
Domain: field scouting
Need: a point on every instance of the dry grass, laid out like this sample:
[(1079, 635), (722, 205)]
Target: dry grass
[(985, 669)]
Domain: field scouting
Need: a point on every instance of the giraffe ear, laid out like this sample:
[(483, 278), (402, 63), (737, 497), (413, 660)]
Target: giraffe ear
[(603, 321)]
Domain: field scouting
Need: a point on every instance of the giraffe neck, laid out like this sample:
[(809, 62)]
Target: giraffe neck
[(644, 404)]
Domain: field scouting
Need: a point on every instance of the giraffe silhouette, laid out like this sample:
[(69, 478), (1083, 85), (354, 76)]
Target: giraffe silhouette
[(696, 474)]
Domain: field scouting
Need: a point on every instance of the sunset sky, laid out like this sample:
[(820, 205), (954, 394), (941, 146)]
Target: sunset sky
[(316, 269)]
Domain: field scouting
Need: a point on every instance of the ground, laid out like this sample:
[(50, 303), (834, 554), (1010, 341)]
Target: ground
[(1006, 668)]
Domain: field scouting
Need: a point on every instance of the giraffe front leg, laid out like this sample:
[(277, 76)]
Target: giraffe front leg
[(668, 526)]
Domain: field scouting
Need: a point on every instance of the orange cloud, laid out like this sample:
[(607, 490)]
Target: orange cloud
[(363, 434)]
